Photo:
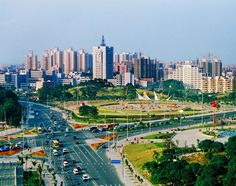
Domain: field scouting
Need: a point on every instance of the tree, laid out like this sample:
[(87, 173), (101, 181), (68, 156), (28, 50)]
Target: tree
[(230, 178), (173, 88), (230, 147), (10, 109), (217, 147), (88, 111), (130, 91), (205, 145), (208, 176)]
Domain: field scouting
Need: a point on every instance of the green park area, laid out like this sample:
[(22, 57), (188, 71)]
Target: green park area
[(123, 111), (138, 153), (210, 163), (104, 103), (162, 136)]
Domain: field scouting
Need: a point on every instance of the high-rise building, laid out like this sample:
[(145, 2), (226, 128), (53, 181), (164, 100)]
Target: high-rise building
[(146, 68), (212, 66), (52, 59), (188, 73), (102, 61), (31, 62), (84, 61), (70, 61)]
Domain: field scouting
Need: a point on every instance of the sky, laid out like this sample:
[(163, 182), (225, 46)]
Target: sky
[(168, 30)]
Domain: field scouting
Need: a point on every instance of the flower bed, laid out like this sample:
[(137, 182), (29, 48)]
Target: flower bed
[(6, 138), (110, 137), (78, 126), (39, 153), (10, 152), (95, 146), (30, 132)]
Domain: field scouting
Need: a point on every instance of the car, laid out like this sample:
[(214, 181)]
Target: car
[(55, 152), (78, 167), (85, 177), (77, 143), (65, 163), (73, 161), (75, 171), (64, 150)]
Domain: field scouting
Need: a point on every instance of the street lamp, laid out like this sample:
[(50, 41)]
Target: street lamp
[(202, 105), (181, 111), (127, 128)]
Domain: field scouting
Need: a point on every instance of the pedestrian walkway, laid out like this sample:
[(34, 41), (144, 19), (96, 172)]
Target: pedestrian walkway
[(10, 132)]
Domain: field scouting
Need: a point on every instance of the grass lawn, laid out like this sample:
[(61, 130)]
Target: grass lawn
[(138, 154), (159, 136)]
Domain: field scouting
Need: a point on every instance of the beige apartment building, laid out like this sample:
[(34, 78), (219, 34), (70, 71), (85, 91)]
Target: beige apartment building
[(217, 84), (192, 77)]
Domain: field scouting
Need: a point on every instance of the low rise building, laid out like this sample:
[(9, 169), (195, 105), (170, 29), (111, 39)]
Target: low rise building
[(11, 172)]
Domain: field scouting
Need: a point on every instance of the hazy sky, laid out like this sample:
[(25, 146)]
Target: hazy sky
[(164, 29)]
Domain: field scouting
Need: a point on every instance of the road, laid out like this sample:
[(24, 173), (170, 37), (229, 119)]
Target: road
[(95, 164)]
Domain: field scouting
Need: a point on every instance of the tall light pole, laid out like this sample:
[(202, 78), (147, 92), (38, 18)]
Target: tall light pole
[(181, 112), (202, 108), (127, 128)]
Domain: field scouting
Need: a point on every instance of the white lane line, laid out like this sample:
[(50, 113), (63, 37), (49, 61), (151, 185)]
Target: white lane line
[(81, 153), (90, 154)]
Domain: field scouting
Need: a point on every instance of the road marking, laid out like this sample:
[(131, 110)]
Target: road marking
[(90, 154)]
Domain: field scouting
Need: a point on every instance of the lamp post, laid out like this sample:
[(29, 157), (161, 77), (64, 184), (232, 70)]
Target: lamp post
[(181, 111), (127, 127)]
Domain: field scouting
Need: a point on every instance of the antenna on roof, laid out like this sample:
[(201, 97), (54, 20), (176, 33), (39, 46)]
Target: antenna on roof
[(103, 41)]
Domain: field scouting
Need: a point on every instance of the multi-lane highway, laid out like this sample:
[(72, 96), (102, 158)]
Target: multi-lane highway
[(96, 165)]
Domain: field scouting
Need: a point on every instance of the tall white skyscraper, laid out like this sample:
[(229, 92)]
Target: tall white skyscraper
[(102, 61)]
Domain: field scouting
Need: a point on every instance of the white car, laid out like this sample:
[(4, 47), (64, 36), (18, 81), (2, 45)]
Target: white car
[(64, 150), (65, 163), (85, 177), (55, 152), (76, 171)]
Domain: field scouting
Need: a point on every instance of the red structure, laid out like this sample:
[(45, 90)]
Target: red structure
[(214, 106)]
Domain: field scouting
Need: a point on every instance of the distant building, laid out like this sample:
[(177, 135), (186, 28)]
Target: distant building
[(188, 73), (84, 61), (70, 61), (212, 66), (31, 61), (11, 172), (146, 68), (102, 61), (217, 84), (52, 59)]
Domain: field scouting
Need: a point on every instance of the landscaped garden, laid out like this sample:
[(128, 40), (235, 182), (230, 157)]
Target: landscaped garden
[(160, 136), (212, 163)]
